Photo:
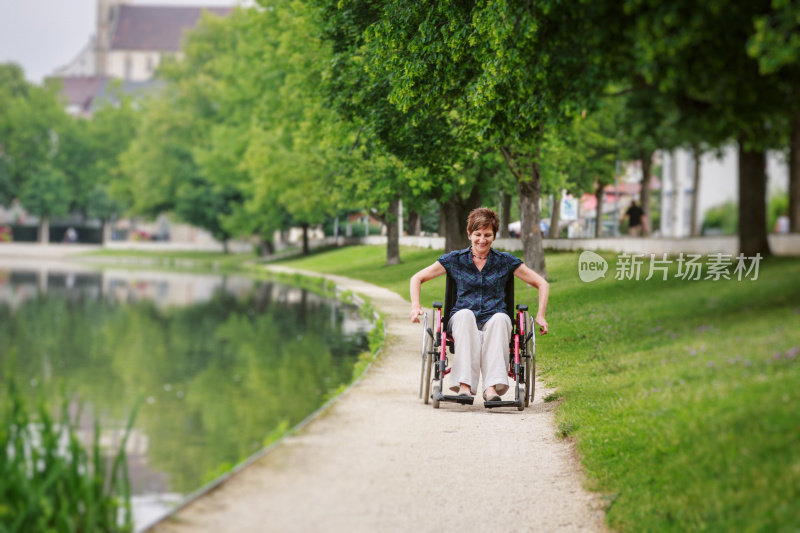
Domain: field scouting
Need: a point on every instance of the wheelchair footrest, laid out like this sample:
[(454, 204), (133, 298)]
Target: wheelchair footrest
[(466, 400), (501, 403)]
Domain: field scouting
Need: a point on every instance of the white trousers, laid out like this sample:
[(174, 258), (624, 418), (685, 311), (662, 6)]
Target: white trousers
[(483, 350)]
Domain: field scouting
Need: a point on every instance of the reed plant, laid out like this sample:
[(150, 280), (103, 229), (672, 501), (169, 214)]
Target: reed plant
[(49, 481)]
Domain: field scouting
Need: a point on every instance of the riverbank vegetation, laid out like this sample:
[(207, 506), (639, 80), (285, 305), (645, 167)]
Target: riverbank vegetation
[(681, 395), (51, 480)]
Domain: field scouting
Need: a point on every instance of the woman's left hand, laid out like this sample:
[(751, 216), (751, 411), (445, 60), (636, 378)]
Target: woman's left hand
[(542, 323)]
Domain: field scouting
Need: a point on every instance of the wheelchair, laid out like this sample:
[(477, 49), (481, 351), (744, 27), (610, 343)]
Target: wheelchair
[(436, 341)]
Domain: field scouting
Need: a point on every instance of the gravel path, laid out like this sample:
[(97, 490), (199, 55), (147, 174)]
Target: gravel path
[(378, 460)]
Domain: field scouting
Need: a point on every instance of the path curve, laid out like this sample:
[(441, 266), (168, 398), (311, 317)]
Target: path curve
[(378, 460)]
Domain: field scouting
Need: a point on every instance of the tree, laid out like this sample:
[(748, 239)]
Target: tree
[(720, 93), (425, 151), (507, 69), (30, 117), (163, 175), (46, 194), (775, 45), (111, 131)]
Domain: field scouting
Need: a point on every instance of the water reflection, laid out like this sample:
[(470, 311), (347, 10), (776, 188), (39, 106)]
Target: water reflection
[(219, 361)]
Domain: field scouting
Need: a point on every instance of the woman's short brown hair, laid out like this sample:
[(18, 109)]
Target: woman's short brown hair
[(482, 217)]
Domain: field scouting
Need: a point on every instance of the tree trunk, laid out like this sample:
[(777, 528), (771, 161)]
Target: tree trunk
[(794, 176), (752, 202), (225, 246), (456, 210), (265, 247), (442, 221), (555, 216), (644, 200), (44, 230), (530, 191), (105, 231), (305, 238), (598, 194), (693, 226), (392, 221), (505, 214), (414, 223)]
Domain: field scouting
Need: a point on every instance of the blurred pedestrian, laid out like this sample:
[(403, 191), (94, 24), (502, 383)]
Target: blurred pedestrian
[(782, 224), (636, 219), (71, 235)]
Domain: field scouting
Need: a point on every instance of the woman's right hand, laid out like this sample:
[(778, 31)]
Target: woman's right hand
[(416, 312)]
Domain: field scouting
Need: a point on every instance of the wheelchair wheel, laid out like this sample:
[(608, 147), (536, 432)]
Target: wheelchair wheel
[(426, 359), (427, 364), (530, 381), (435, 392), (530, 376), (427, 392)]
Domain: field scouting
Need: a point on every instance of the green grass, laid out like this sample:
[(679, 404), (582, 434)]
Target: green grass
[(172, 260), (682, 396), (368, 263)]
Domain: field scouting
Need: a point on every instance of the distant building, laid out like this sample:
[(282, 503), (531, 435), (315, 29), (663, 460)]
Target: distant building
[(130, 42)]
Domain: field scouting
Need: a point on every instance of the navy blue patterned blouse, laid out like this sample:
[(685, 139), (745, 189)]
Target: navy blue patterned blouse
[(481, 291)]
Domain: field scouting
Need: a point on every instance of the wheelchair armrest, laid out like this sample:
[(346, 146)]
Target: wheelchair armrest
[(437, 305)]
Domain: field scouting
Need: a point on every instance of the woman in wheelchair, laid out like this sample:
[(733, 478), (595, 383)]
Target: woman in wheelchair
[(481, 328)]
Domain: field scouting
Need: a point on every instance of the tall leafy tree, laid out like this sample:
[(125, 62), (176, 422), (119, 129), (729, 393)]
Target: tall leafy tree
[(775, 44), (506, 69), (46, 194), (719, 92), (30, 119), (425, 149)]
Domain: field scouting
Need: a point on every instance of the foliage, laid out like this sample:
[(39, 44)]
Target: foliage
[(723, 218), (30, 117), (49, 481), (505, 70), (46, 193), (110, 132), (777, 205)]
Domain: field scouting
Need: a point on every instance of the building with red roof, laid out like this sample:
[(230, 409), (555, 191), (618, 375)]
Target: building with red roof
[(130, 43)]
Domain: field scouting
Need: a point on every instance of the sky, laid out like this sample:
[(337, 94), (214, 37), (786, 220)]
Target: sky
[(42, 35)]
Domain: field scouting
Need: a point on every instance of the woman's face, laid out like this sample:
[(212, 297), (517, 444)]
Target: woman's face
[(481, 240)]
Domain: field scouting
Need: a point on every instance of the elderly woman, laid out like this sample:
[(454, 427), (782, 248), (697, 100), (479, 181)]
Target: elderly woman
[(480, 327)]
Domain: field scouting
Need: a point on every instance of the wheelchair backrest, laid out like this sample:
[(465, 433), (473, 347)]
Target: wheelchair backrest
[(451, 295)]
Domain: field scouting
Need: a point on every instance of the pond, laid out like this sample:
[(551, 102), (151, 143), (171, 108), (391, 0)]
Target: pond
[(222, 365)]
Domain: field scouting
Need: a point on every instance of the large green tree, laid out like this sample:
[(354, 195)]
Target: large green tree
[(425, 150), (775, 43), (506, 69), (695, 57), (30, 119)]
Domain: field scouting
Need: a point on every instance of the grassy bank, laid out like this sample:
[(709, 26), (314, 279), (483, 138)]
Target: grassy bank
[(186, 261), (682, 395)]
